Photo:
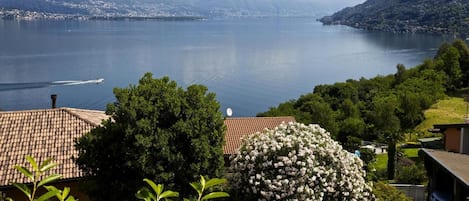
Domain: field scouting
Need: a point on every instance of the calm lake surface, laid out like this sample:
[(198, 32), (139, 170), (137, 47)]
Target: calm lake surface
[(251, 64)]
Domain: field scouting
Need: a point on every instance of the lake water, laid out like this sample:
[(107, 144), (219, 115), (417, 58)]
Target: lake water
[(251, 64)]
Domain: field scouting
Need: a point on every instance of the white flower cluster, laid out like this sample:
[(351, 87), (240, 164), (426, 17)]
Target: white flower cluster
[(299, 163)]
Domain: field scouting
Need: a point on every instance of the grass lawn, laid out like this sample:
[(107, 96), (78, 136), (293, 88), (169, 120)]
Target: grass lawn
[(381, 161), (450, 110), (411, 152)]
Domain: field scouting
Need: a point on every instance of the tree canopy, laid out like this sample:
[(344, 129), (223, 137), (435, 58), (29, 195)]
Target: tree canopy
[(158, 131), (382, 108)]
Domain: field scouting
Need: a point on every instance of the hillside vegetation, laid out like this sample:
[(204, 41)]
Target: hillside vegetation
[(446, 111), (383, 108), (425, 16)]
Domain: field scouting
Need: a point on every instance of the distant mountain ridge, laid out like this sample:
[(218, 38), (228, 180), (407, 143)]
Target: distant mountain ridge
[(151, 8), (417, 16)]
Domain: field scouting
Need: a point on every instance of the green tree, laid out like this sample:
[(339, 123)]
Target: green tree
[(158, 131), (463, 50), (317, 111), (450, 65), (401, 74), (387, 125)]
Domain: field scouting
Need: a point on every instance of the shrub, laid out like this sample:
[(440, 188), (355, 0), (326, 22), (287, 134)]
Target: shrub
[(411, 174), (385, 192), (297, 162)]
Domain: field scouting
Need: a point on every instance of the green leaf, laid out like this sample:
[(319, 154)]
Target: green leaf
[(145, 194), (23, 188), (169, 194), (47, 167), (157, 188), (46, 162), (197, 187), (49, 179), (47, 195), (215, 195), (70, 198), (65, 192), (202, 181), (32, 162), (214, 182), (25, 172)]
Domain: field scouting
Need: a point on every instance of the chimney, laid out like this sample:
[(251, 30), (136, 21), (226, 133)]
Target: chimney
[(54, 99)]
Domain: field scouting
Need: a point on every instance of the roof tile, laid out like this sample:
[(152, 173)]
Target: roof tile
[(236, 128), (43, 134)]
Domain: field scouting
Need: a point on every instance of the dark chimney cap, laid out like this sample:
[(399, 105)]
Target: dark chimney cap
[(54, 99)]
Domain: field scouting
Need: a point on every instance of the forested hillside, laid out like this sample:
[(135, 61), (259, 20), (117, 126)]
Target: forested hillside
[(427, 16), (384, 107)]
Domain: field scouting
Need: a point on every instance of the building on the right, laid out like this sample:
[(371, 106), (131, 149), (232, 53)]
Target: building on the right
[(448, 169)]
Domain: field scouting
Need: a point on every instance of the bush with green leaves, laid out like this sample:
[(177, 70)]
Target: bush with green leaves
[(38, 179), (386, 192), (158, 131), (297, 162), (201, 187), (411, 174)]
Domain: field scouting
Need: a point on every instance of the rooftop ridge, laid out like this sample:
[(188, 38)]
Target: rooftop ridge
[(71, 112)]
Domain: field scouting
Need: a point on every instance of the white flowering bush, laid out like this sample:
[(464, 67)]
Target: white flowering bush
[(297, 162)]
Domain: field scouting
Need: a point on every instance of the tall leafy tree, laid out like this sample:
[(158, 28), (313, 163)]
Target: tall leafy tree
[(450, 65), (317, 111), (387, 125), (463, 50), (158, 131)]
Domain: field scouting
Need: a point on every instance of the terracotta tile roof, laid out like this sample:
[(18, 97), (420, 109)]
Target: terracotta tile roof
[(236, 128), (47, 133), (457, 164)]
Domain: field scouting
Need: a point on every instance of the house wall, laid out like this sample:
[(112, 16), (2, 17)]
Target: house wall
[(452, 139), (75, 191)]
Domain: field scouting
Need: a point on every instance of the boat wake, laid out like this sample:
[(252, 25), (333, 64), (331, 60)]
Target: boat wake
[(32, 85)]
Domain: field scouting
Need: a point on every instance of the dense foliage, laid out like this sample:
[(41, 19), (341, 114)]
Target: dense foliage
[(297, 162), (428, 16), (158, 131), (382, 108), (385, 192)]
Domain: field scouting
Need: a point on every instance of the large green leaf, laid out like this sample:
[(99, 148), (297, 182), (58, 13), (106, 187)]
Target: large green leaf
[(49, 179), (32, 162), (23, 188), (25, 171), (47, 166), (197, 187), (214, 182), (46, 162), (215, 195), (70, 198), (53, 188), (145, 194), (65, 192), (169, 194), (47, 195), (157, 188)]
